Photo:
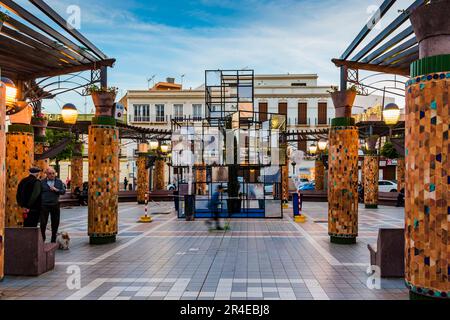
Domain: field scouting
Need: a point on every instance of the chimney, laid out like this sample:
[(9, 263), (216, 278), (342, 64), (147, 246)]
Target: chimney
[(170, 80)]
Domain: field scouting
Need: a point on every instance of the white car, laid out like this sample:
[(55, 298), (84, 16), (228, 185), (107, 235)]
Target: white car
[(387, 186)]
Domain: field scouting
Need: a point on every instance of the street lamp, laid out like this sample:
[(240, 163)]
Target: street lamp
[(69, 114), (391, 114), (323, 145), (165, 148)]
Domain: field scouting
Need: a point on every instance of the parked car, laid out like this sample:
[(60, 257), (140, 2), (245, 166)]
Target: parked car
[(307, 187), (387, 186)]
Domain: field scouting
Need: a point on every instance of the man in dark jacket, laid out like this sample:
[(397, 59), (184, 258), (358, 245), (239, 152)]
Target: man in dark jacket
[(28, 197), (52, 188)]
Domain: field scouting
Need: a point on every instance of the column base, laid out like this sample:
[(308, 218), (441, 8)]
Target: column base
[(371, 206), (416, 296), (102, 240), (341, 240)]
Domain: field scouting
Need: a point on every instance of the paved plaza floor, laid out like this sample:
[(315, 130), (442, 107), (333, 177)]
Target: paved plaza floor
[(175, 259)]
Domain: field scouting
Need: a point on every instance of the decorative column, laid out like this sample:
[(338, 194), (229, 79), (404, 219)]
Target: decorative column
[(2, 177), (371, 174), (400, 173), (159, 175), (19, 159), (103, 171), (320, 175), (343, 171), (143, 174), (40, 143), (427, 199), (76, 167), (285, 184)]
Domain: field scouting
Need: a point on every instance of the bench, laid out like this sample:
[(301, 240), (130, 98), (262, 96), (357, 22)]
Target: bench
[(127, 196), (389, 253), (387, 198), (315, 196), (26, 254), (161, 196)]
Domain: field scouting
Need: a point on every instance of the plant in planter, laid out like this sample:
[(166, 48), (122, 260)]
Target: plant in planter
[(39, 123), (343, 101), (24, 115), (103, 99)]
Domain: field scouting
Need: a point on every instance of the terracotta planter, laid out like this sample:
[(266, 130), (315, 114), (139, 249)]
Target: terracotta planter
[(343, 102), (39, 126), (432, 28), (104, 103), (23, 116)]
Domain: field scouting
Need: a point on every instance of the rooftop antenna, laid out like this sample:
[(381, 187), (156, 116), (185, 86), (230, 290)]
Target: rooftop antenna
[(150, 80), (182, 79)]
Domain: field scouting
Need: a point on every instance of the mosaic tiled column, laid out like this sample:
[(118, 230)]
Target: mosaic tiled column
[(103, 172), (19, 159), (371, 174), (285, 183), (76, 167), (427, 198), (40, 144), (400, 173), (2, 178), (343, 173), (159, 175), (320, 175), (143, 177)]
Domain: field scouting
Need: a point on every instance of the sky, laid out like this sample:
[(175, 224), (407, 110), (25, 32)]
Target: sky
[(185, 37)]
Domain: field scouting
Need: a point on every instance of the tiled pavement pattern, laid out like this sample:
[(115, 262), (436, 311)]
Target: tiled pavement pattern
[(174, 259)]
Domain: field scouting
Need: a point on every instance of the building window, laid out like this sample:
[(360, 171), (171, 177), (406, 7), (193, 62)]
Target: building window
[(299, 84), (159, 112), (178, 111), (302, 113), (141, 112), (197, 111), (323, 113)]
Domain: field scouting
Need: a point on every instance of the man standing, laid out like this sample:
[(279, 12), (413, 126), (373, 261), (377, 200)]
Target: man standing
[(29, 198), (125, 183), (52, 188)]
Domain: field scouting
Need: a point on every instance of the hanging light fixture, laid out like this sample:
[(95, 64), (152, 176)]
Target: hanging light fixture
[(11, 91), (313, 149), (323, 145), (391, 114), (154, 145), (69, 114)]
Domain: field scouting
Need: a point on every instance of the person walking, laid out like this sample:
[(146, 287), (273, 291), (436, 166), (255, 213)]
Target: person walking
[(125, 183), (28, 197), (213, 205), (52, 189)]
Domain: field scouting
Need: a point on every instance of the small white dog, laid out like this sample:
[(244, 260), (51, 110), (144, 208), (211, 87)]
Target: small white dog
[(63, 241)]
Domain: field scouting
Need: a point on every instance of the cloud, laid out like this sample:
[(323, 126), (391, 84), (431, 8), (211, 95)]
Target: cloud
[(270, 36)]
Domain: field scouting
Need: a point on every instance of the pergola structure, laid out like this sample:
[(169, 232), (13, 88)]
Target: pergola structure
[(34, 55), (417, 45)]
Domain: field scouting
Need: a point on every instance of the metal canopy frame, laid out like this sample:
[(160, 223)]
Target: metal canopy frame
[(391, 51), (28, 53)]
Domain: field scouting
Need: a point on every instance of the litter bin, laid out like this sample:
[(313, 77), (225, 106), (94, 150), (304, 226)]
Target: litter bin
[(189, 205)]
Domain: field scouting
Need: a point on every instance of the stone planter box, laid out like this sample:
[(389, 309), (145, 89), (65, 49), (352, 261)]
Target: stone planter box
[(343, 102), (104, 103)]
